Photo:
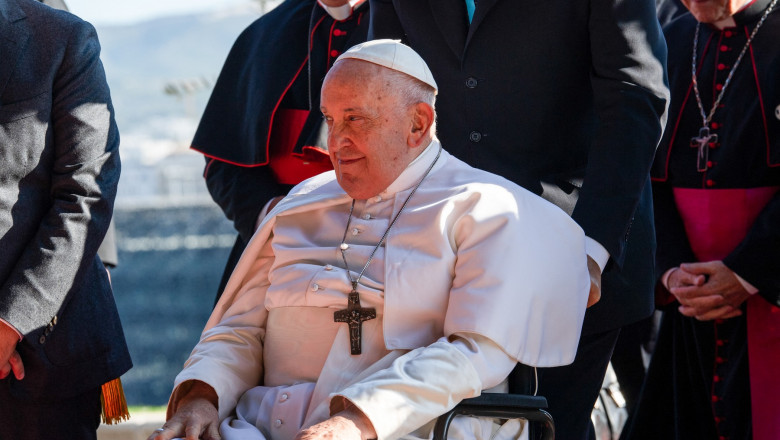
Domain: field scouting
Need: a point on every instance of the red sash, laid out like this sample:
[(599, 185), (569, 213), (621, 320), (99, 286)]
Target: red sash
[(716, 221), (288, 167)]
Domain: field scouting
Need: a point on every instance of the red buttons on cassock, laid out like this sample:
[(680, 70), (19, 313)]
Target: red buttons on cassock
[(724, 48), (720, 360), (715, 125), (338, 32), (710, 182), (715, 398), (716, 378), (720, 342), (728, 34), (718, 87), (709, 165), (334, 53)]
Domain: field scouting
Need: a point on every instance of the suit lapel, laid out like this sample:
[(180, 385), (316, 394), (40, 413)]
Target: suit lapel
[(13, 39), (483, 9), (451, 18)]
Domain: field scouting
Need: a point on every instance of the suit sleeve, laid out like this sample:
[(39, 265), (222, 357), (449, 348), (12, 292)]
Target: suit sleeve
[(241, 192), (84, 177), (630, 94), (757, 257)]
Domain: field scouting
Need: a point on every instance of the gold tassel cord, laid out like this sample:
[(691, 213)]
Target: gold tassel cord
[(113, 403)]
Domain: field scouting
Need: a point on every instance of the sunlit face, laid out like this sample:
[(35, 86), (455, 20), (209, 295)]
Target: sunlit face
[(334, 3), (368, 128), (713, 11)]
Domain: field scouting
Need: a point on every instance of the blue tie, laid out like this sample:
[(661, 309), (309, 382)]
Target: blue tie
[(470, 9)]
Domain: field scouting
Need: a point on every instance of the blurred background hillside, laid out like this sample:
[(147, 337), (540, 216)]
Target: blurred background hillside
[(172, 239)]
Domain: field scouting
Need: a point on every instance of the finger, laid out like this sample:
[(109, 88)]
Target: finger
[(698, 268), (704, 303), (689, 292), (193, 431), (212, 433), (715, 313), (16, 365), (5, 370), (732, 314), (171, 429)]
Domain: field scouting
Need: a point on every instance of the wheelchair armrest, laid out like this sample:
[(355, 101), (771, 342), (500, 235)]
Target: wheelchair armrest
[(503, 406)]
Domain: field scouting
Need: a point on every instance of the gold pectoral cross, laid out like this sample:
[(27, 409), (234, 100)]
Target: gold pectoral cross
[(354, 315), (703, 142)]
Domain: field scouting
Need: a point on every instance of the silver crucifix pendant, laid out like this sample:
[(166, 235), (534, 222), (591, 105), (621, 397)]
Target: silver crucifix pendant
[(703, 142)]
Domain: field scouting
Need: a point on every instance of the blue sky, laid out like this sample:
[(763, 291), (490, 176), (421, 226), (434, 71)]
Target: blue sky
[(103, 12)]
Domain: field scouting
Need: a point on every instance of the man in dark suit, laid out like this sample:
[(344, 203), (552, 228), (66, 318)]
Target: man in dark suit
[(568, 100), (60, 335)]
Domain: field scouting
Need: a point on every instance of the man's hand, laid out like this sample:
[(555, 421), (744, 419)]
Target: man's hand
[(350, 424), (9, 357), (707, 291), (595, 282), (196, 416)]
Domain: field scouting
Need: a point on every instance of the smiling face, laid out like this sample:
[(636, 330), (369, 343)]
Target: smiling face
[(372, 134), (714, 11)]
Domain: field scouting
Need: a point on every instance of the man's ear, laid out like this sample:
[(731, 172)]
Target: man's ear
[(422, 120)]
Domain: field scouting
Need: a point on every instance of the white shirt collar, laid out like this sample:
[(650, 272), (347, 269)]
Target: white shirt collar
[(342, 12), (414, 171)]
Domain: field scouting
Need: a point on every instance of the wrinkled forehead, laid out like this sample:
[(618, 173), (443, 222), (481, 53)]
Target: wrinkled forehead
[(355, 75)]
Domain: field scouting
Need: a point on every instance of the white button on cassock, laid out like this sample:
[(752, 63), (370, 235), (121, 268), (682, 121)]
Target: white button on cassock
[(315, 287), (278, 423)]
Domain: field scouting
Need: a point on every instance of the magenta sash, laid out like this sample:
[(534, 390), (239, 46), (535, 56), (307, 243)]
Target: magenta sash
[(716, 221)]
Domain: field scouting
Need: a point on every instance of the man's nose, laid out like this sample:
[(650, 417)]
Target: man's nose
[(336, 137)]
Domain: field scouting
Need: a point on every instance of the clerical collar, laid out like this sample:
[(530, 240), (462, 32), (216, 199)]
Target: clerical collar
[(342, 12), (414, 171), (751, 12)]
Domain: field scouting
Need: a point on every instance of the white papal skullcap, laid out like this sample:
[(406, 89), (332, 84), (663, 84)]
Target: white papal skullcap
[(393, 55)]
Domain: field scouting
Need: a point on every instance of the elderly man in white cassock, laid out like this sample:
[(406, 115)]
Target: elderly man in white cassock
[(375, 297)]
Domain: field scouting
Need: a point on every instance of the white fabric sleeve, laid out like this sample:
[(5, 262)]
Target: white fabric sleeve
[(427, 382), (596, 251), (229, 356)]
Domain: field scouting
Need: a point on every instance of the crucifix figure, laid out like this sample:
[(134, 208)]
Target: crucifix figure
[(354, 315), (703, 142)]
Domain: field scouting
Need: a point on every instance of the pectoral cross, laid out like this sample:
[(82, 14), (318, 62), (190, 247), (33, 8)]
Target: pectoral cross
[(703, 142), (354, 315)]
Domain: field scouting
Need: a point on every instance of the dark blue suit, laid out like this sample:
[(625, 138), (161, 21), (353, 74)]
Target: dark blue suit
[(60, 167), (566, 99)]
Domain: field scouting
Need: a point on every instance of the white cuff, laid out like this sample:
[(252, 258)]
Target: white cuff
[(14, 328), (596, 251), (749, 287)]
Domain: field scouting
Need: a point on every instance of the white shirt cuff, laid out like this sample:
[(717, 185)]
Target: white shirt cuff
[(14, 328), (749, 287), (596, 251)]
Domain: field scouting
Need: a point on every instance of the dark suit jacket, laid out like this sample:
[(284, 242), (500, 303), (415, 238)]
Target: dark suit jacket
[(59, 168), (564, 98)]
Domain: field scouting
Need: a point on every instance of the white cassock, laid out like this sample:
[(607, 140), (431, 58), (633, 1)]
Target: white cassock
[(476, 275)]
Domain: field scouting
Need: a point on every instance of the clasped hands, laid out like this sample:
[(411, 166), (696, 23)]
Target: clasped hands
[(196, 418), (707, 291)]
